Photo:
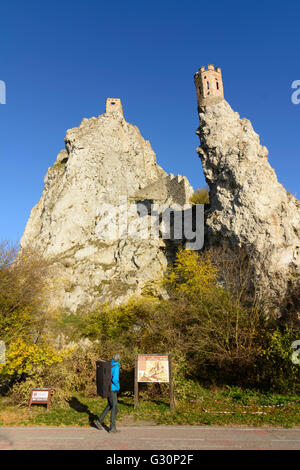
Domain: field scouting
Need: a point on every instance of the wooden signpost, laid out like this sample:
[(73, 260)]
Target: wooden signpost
[(153, 368), (40, 396)]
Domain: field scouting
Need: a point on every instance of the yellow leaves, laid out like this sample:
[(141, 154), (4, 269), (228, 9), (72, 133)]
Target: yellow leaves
[(201, 196), (23, 357), (24, 316), (192, 273)]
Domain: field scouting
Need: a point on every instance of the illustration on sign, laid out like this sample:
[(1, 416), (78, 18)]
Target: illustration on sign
[(153, 369), (40, 395)]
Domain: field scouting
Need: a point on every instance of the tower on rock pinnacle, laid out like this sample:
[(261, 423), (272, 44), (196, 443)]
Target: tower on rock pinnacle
[(113, 105), (209, 86)]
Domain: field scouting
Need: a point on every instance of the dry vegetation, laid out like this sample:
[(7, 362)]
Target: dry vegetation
[(200, 196), (212, 323)]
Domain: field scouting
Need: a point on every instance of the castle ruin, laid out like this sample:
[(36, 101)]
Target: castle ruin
[(113, 105), (209, 86)]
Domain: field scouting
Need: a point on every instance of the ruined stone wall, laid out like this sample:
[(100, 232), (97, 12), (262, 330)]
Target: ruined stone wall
[(113, 105), (167, 190)]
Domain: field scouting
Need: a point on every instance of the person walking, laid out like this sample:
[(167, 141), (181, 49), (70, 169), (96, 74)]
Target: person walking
[(112, 401)]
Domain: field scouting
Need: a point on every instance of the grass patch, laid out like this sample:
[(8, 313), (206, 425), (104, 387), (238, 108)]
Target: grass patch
[(218, 407)]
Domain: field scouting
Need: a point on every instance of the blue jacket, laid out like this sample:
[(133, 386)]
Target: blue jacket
[(115, 385)]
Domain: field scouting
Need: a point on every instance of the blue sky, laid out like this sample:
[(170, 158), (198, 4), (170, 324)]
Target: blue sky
[(61, 59)]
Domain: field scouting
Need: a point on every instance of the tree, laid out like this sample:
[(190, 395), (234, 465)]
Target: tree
[(23, 312)]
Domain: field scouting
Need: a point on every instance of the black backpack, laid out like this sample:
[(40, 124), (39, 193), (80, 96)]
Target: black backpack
[(103, 378)]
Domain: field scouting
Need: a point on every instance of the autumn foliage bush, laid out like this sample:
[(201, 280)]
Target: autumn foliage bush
[(24, 315), (212, 323), (210, 320), (200, 196)]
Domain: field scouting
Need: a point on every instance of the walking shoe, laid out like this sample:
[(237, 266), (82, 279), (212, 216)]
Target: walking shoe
[(98, 424), (114, 429)]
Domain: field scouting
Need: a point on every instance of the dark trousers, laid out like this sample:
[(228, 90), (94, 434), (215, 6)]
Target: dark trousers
[(112, 406)]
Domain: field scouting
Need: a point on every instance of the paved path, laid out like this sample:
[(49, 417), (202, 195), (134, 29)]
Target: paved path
[(148, 438)]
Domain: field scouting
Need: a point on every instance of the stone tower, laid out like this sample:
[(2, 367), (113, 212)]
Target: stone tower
[(209, 86), (113, 105)]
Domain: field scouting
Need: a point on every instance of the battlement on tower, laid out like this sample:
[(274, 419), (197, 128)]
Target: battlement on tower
[(113, 105), (209, 85)]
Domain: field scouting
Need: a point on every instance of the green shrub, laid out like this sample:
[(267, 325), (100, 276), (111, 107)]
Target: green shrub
[(217, 334), (276, 369)]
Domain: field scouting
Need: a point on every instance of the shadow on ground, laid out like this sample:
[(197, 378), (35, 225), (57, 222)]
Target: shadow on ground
[(82, 408)]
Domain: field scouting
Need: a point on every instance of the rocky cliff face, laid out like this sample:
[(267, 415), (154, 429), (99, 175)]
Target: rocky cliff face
[(105, 159), (248, 207)]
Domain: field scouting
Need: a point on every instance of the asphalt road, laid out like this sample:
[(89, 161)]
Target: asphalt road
[(149, 438)]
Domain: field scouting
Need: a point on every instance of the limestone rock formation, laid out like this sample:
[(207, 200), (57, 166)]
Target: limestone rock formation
[(106, 162), (249, 208)]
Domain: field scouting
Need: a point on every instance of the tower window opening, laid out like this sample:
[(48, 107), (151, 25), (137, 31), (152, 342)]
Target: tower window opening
[(208, 85), (217, 85)]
